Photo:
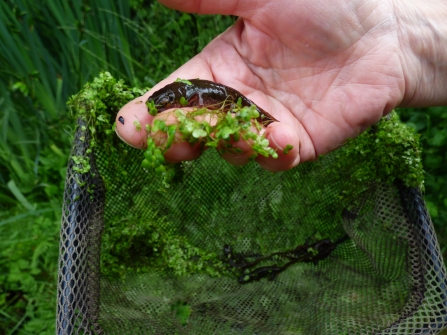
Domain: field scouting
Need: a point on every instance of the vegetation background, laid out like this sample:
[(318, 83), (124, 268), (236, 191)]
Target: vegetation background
[(48, 51)]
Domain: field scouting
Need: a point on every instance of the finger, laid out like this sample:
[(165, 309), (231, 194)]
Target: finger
[(224, 7), (180, 150), (238, 152), (183, 151), (131, 122), (282, 137), (285, 140)]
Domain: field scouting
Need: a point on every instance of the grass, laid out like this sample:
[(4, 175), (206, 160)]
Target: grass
[(49, 50)]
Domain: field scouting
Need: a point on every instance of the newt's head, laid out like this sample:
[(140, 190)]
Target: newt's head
[(164, 100)]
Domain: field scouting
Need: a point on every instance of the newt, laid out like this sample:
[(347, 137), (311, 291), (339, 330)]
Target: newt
[(203, 93), (179, 94)]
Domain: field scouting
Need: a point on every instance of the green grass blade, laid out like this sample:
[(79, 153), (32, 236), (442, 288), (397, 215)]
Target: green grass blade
[(19, 196)]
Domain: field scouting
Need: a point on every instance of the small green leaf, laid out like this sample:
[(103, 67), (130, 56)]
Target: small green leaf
[(225, 133), (197, 133), (184, 81), (159, 125), (287, 149), (183, 101), (171, 135), (152, 110), (146, 164), (265, 142), (179, 113)]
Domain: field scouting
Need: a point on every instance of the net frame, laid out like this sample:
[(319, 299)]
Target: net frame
[(78, 304)]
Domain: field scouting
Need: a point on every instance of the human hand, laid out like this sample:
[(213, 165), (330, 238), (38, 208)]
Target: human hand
[(325, 70)]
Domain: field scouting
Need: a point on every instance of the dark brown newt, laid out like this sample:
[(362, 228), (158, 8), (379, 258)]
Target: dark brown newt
[(203, 93)]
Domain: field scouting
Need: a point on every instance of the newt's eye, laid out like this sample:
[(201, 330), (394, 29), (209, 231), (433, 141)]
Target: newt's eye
[(121, 119)]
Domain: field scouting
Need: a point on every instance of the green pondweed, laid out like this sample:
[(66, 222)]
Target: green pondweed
[(210, 128)]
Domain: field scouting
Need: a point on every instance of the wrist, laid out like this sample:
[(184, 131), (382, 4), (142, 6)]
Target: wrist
[(423, 41)]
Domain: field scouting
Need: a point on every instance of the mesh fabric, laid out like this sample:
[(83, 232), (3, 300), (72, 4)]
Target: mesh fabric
[(385, 277)]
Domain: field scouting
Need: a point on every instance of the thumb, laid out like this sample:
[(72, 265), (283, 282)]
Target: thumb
[(224, 7)]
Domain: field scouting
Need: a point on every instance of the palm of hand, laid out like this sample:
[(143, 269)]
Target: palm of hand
[(325, 72), (330, 83)]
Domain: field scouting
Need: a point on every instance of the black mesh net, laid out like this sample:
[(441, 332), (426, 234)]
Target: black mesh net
[(239, 250)]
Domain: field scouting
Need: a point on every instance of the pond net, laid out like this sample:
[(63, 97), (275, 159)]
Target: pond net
[(239, 250)]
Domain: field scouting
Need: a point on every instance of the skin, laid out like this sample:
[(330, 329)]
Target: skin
[(325, 70)]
